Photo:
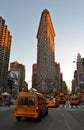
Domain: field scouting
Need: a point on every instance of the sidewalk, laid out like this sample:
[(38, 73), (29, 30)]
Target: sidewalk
[(4, 108)]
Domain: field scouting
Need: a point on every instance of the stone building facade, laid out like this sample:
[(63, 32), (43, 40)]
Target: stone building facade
[(5, 46), (45, 54)]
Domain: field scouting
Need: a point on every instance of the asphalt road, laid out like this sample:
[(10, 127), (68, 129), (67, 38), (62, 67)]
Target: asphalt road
[(57, 119)]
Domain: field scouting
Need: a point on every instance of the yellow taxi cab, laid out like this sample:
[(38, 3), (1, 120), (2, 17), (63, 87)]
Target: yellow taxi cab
[(61, 98), (31, 105), (74, 100), (52, 103)]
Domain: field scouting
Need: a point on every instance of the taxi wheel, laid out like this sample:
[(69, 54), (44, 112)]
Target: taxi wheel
[(46, 111), (18, 118), (40, 115)]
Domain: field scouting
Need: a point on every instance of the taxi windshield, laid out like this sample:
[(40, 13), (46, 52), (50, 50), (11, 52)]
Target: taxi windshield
[(26, 101)]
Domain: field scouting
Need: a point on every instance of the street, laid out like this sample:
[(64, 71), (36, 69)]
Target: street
[(61, 118)]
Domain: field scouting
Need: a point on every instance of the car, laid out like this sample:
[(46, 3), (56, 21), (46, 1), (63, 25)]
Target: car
[(31, 105), (74, 100), (52, 103), (61, 98)]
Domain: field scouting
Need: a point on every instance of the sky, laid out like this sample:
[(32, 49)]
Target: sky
[(22, 18)]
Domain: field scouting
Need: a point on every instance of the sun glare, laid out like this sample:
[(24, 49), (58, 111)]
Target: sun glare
[(69, 86)]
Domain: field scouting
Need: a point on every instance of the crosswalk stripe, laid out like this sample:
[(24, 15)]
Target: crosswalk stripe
[(82, 106), (78, 106), (69, 106)]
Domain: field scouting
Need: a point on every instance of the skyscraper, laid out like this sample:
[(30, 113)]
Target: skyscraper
[(18, 70), (45, 54), (5, 45), (34, 76)]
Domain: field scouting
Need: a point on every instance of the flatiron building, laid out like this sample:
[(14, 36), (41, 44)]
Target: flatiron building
[(45, 54)]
